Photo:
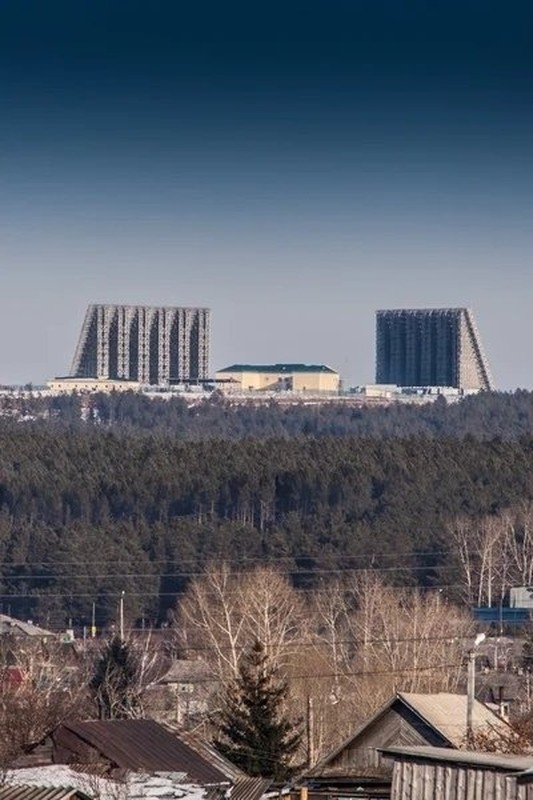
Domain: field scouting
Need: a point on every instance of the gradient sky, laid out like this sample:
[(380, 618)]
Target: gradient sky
[(294, 166)]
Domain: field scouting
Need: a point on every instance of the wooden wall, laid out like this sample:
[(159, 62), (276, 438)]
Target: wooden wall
[(398, 726), (419, 780)]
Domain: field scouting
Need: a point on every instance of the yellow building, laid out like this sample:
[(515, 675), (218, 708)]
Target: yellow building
[(84, 385), (311, 378)]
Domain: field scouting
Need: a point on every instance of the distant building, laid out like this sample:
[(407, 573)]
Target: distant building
[(69, 385), (278, 377), (430, 347), (521, 597), (146, 344)]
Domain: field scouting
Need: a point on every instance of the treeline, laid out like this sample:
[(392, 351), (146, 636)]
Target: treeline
[(487, 415), (88, 513)]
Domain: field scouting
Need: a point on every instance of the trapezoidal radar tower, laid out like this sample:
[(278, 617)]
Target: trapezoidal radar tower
[(149, 344), (430, 347)]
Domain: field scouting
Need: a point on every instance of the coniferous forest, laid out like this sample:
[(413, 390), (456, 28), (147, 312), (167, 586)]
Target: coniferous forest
[(127, 494)]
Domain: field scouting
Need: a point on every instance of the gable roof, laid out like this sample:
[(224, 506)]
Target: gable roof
[(145, 745), (17, 627), (443, 711), (446, 713)]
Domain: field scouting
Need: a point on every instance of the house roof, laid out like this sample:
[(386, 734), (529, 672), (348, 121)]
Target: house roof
[(280, 368), (505, 762), (244, 787), (18, 792), (145, 745), (188, 671), (208, 751), (444, 712), (250, 788), (17, 627)]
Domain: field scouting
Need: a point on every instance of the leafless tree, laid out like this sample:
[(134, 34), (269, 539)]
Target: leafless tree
[(122, 672), (495, 553), (222, 613), (36, 695)]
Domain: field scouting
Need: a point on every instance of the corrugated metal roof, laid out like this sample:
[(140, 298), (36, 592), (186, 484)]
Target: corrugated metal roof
[(209, 752), (504, 762), (446, 712), (250, 789), (145, 745), (9, 792)]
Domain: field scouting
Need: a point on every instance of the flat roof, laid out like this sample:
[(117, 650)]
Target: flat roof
[(509, 763), (283, 368)]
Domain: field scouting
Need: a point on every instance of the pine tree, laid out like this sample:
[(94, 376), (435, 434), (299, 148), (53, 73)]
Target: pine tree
[(115, 683), (254, 733)]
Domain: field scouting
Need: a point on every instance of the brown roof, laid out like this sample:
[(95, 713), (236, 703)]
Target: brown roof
[(8, 792), (145, 745), (208, 751)]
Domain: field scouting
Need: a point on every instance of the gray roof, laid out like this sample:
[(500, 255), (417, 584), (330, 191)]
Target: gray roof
[(443, 711), (8, 792), (504, 762), (446, 712), (282, 368), (17, 627), (188, 671), (250, 788)]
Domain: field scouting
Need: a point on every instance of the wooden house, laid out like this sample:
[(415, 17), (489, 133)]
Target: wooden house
[(438, 720), (437, 773)]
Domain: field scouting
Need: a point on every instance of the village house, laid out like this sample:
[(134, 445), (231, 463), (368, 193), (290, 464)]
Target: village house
[(438, 773), (358, 768), (118, 748)]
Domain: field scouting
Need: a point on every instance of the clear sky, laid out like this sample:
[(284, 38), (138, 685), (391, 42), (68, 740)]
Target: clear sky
[(293, 165)]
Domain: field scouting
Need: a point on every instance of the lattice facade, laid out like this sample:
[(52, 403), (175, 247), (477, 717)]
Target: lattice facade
[(149, 344), (430, 347)]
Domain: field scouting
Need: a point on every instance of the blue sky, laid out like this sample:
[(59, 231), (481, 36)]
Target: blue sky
[(294, 166)]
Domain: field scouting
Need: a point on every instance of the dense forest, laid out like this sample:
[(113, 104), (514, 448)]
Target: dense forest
[(487, 415), (90, 509)]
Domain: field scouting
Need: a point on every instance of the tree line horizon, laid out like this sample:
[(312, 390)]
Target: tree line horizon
[(129, 496)]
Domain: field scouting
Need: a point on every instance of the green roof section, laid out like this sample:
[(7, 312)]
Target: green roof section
[(279, 368)]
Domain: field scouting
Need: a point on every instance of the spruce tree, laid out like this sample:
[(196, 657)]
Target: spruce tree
[(254, 733), (115, 683)]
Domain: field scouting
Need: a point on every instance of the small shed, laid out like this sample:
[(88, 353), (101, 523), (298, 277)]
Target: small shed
[(437, 773)]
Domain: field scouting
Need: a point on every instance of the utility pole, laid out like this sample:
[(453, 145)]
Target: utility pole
[(310, 726), (93, 621), (121, 628), (471, 689)]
